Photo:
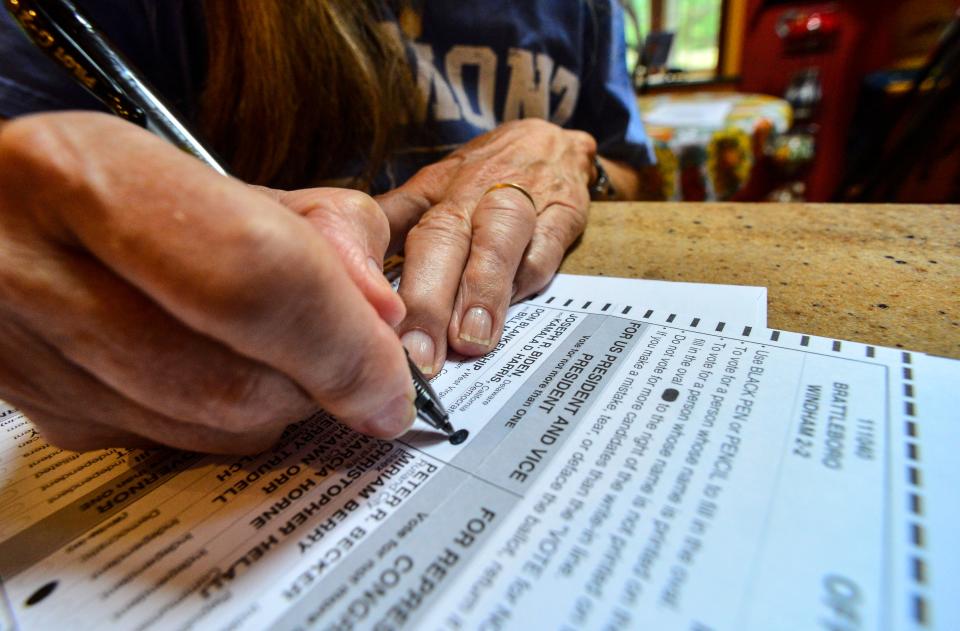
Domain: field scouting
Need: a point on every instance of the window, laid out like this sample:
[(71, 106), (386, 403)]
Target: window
[(696, 27)]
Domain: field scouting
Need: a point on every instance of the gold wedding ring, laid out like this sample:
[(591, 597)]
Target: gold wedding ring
[(525, 192)]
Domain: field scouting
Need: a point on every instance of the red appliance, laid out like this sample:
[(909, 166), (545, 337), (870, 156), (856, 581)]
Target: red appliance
[(839, 43)]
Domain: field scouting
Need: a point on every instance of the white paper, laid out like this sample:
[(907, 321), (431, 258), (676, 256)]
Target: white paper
[(709, 114), (743, 304), (775, 488)]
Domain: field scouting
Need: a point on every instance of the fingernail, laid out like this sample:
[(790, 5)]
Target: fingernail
[(395, 418), (421, 349), (476, 326)]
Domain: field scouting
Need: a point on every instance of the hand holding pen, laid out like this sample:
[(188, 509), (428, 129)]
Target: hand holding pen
[(163, 303)]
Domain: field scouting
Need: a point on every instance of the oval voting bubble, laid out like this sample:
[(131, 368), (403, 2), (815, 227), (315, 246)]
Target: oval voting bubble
[(458, 436), (41, 593), (670, 394)]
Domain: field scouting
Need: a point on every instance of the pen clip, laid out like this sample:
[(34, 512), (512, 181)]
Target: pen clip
[(50, 36)]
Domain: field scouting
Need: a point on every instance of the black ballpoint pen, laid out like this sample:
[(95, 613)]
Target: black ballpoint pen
[(59, 29)]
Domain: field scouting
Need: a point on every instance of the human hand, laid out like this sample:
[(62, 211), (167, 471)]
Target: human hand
[(470, 250), (145, 299)]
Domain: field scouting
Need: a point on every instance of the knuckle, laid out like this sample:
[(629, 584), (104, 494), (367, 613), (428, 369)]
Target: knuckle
[(557, 237), (490, 258), (428, 185), (487, 286), (27, 136), (437, 171), (537, 125), (405, 197), (498, 253), (584, 141), (569, 223), (361, 205), (35, 147), (442, 223), (58, 148), (576, 220), (517, 210)]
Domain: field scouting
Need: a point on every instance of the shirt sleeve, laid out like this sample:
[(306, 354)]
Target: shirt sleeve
[(607, 107), (163, 40), (32, 82)]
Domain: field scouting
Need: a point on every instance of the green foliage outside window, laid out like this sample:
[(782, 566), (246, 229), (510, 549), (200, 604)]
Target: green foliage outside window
[(696, 25)]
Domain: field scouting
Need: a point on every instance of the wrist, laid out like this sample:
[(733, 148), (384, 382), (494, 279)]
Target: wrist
[(600, 186)]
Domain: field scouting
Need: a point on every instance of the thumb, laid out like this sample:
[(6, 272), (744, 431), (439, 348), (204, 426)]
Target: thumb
[(403, 210), (404, 205), (357, 228)]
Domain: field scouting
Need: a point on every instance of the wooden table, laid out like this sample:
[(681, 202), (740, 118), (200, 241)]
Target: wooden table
[(884, 275)]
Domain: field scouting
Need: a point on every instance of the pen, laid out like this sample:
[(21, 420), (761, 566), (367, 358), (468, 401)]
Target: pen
[(59, 29)]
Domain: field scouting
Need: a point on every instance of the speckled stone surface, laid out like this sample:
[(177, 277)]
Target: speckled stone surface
[(886, 275)]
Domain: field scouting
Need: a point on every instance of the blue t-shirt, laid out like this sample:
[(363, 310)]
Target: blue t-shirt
[(480, 64)]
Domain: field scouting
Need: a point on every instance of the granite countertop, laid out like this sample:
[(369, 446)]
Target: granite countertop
[(879, 274)]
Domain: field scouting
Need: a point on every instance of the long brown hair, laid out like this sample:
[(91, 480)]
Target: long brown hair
[(296, 91)]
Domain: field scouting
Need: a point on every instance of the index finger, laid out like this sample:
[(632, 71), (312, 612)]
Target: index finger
[(226, 261), (434, 255), (503, 224)]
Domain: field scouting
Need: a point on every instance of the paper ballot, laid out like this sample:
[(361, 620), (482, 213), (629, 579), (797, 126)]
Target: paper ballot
[(733, 303), (627, 467)]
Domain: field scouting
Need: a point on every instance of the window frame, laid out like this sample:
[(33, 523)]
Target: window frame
[(729, 43)]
